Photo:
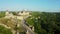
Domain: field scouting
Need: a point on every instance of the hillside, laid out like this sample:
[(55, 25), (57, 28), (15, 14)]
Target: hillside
[(45, 22)]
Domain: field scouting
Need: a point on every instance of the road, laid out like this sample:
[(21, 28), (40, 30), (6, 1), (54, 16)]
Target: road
[(27, 28), (23, 24)]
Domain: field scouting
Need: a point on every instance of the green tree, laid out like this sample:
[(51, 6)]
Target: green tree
[(4, 30), (2, 14)]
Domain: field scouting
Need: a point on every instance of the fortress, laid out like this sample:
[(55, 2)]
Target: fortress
[(20, 15)]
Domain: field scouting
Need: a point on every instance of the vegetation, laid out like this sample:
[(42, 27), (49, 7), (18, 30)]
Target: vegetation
[(14, 13), (2, 14), (31, 19), (4, 30), (8, 22), (12, 24), (45, 23)]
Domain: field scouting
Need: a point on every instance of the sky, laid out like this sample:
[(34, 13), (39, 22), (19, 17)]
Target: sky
[(33, 5)]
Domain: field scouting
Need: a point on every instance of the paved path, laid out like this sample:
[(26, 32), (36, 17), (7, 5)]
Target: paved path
[(22, 23), (27, 28)]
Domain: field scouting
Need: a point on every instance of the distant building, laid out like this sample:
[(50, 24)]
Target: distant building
[(20, 15), (9, 15), (23, 12)]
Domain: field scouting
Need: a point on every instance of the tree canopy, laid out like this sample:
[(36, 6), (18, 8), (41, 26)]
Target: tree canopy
[(48, 23)]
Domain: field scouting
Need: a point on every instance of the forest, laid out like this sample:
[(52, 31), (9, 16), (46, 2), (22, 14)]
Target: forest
[(45, 22)]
